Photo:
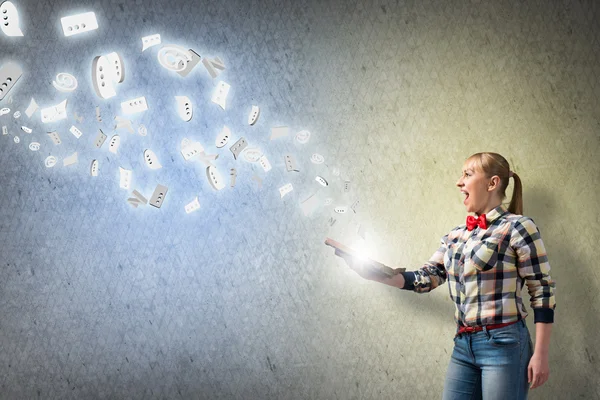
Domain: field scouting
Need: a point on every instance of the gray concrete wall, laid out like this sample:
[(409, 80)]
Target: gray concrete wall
[(241, 300)]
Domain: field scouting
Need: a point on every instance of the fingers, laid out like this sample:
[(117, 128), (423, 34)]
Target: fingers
[(533, 383), (542, 378), (538, 379), (529, 374)]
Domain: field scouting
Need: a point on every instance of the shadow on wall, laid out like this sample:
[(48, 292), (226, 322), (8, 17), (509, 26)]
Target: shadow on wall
[(572, 363)]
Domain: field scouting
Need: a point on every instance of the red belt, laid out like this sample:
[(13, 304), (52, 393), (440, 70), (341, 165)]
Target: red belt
[(471, 329)]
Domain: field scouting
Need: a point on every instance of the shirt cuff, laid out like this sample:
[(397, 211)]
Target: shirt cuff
[(409, 280), (545, 315)]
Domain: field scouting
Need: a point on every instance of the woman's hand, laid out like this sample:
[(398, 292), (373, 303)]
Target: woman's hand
[(538, 370), (361, 268)]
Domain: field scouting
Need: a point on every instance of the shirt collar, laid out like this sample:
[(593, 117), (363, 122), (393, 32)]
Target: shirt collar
[(495, 213)]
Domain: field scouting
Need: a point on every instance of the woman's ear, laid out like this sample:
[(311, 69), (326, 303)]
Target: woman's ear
[(494, 183)]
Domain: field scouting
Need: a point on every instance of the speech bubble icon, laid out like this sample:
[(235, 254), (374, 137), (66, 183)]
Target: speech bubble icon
[(10, 19)]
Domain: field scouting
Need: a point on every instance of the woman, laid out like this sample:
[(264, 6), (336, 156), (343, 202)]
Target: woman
[(486, 262)]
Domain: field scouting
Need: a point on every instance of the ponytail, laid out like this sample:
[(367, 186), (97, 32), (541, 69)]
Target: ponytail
[(516, 202)]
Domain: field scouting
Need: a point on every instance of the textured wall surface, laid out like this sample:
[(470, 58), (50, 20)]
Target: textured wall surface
[(241, 299)]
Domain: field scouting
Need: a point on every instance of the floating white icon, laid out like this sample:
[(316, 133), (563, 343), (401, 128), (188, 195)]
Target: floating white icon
[(54, 113), (79, 23), (184, 108), (10, 19), (223, 137), (107, 71), (149, 41), (178, 59), (32, 108), (125, 178), (253, 116), (65, 82), (220, 94), (9, 75), (214, 178), (192, 206), (317, 159), (151, 159), (134, 105), (113, 145), (94, 168), (285, 189), (303, 137), (50, 161)]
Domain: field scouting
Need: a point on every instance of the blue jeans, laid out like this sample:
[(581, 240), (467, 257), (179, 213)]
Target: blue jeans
[(490, 365)]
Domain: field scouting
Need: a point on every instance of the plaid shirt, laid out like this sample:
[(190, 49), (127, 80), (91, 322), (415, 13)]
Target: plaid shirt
[(486, 270)]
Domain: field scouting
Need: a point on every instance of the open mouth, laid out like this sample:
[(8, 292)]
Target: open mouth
[(466, 197)]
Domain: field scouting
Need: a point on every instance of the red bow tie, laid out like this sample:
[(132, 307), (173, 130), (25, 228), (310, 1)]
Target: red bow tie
[(472, 222)]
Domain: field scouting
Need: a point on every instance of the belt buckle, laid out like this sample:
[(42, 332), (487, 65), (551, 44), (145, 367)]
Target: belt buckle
[(469, 329)]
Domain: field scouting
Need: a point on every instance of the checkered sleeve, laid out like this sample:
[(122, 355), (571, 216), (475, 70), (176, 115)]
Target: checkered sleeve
[(534, 268), (431, 275)]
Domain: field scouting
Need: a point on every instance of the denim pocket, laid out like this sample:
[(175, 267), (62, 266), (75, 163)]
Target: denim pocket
[(504, 338)]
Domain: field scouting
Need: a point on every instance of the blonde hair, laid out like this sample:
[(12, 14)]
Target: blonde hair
[(494, 164)]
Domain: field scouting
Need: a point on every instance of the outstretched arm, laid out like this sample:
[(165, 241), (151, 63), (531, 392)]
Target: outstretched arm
[(360, 267), (431, 275), (425, 279)]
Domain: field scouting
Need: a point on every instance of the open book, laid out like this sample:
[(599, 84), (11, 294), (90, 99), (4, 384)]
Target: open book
[(376, 266)]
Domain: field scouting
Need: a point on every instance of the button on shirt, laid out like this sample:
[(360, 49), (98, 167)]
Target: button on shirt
[(487, 268)]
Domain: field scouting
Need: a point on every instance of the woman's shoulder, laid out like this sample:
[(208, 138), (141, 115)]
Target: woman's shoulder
[(521, 225), (517, 219)]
